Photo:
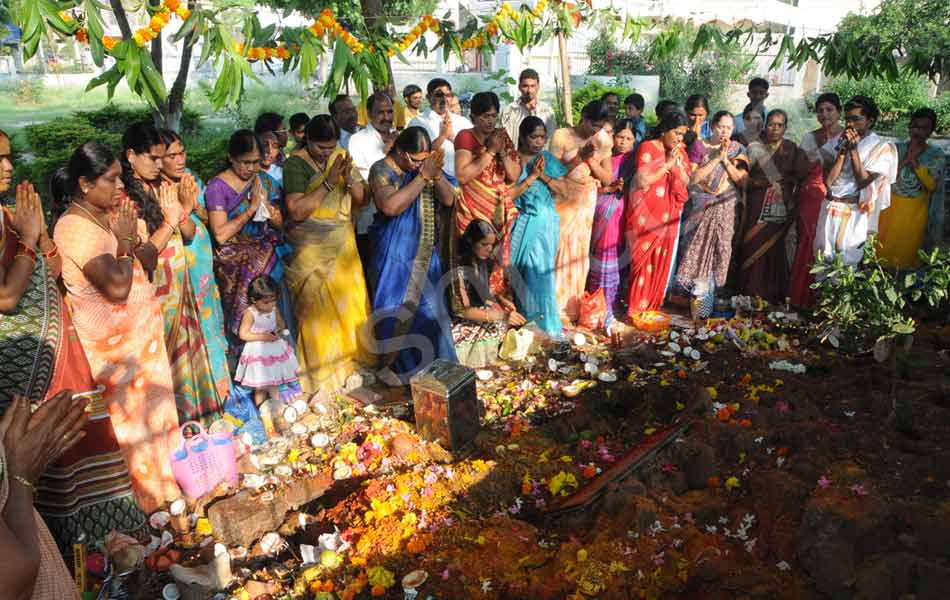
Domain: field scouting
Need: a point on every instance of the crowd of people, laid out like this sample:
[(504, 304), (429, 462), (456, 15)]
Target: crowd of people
[(322, 246)]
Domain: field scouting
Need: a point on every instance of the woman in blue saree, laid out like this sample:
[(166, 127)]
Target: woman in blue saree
[(246, 222), (411, 320), (200, 259), (536, 232)]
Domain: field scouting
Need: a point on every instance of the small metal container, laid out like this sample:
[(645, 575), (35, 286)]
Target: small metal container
[(446, 404)]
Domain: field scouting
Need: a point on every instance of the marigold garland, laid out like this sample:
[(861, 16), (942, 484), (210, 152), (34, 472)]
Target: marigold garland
[(327, 24), (426, 23)]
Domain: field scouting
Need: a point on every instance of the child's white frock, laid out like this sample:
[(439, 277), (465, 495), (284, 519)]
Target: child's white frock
[(266, 364)]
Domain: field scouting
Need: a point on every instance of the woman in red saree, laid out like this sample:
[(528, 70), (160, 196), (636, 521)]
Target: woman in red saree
[(653, 211), (486, 164), (816, 144)]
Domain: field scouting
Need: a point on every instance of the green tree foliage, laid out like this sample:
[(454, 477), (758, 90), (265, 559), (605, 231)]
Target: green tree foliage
[(917, 30)]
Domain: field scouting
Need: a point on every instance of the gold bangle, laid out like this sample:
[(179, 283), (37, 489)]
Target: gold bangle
[(25, 483)]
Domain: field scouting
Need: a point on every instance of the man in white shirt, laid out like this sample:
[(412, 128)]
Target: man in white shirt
[(370, 144), (441, 123), (529, 104), (344, 114), (859, 184)]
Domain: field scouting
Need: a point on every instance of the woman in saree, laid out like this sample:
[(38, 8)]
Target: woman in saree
[(581, 148), (914, 220), (778, 170), (410, 320), (324, 273), (482, 314), (607, 235), (709, 218), (166, 209), (537, 229), (753, 124), (247, 225), (817, 146), (657, 195), (697, 112), (88, 488), (486, 164), (117, 316), (200, 257)]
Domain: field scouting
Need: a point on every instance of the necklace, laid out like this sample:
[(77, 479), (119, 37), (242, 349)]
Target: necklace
[(92, 216)]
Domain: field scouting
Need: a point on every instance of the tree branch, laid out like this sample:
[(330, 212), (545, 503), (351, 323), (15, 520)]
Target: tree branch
[(120, 17)]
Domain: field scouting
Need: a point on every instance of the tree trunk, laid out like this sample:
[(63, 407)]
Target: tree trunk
[(566, 78), (176, 96)]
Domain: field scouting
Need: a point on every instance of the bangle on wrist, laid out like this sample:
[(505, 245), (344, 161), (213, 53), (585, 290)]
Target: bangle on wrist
[(328, 185), (25, 483), (24, 250), (52, 253)]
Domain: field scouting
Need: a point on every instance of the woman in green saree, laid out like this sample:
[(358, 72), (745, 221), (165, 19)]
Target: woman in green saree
[(324, 273)]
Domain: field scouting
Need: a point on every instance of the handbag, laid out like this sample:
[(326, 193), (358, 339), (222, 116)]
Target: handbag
[(203, 461)]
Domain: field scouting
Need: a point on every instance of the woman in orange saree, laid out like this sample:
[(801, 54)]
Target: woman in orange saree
[(656, 200), (581, 149), (118, 318)]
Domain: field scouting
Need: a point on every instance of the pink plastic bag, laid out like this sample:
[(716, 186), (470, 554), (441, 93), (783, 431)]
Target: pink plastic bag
[(203, 461)]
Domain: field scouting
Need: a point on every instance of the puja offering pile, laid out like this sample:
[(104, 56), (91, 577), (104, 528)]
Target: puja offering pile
[(722, 459)]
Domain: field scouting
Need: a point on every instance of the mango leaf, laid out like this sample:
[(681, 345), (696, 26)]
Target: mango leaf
[(94, 25), (51, 12), (31, 26), (111, 77)]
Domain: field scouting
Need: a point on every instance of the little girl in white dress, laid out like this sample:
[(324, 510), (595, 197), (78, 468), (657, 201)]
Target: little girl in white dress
[(268, 360)]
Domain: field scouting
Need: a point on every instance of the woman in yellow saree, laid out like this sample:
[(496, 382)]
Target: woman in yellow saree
[(324, 273), (914, 221)]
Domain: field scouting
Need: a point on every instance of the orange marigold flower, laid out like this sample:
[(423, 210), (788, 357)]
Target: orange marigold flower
[(723, 414), (172, 4), (377, 590), (109, 42), (184, 13), (714, 481), (590, 471), (156, 24), (745, 423), (82, 35)]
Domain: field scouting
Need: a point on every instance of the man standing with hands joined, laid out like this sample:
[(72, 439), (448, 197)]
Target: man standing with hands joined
[(440, 123), (368, 146), (529, 104), (859, 184)]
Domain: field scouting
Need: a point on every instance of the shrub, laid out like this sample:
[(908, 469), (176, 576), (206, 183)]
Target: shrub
[(64, 135), (606, 58), (896, 99), (942, 105), (594, 90), (117, 119), (206, 154)]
